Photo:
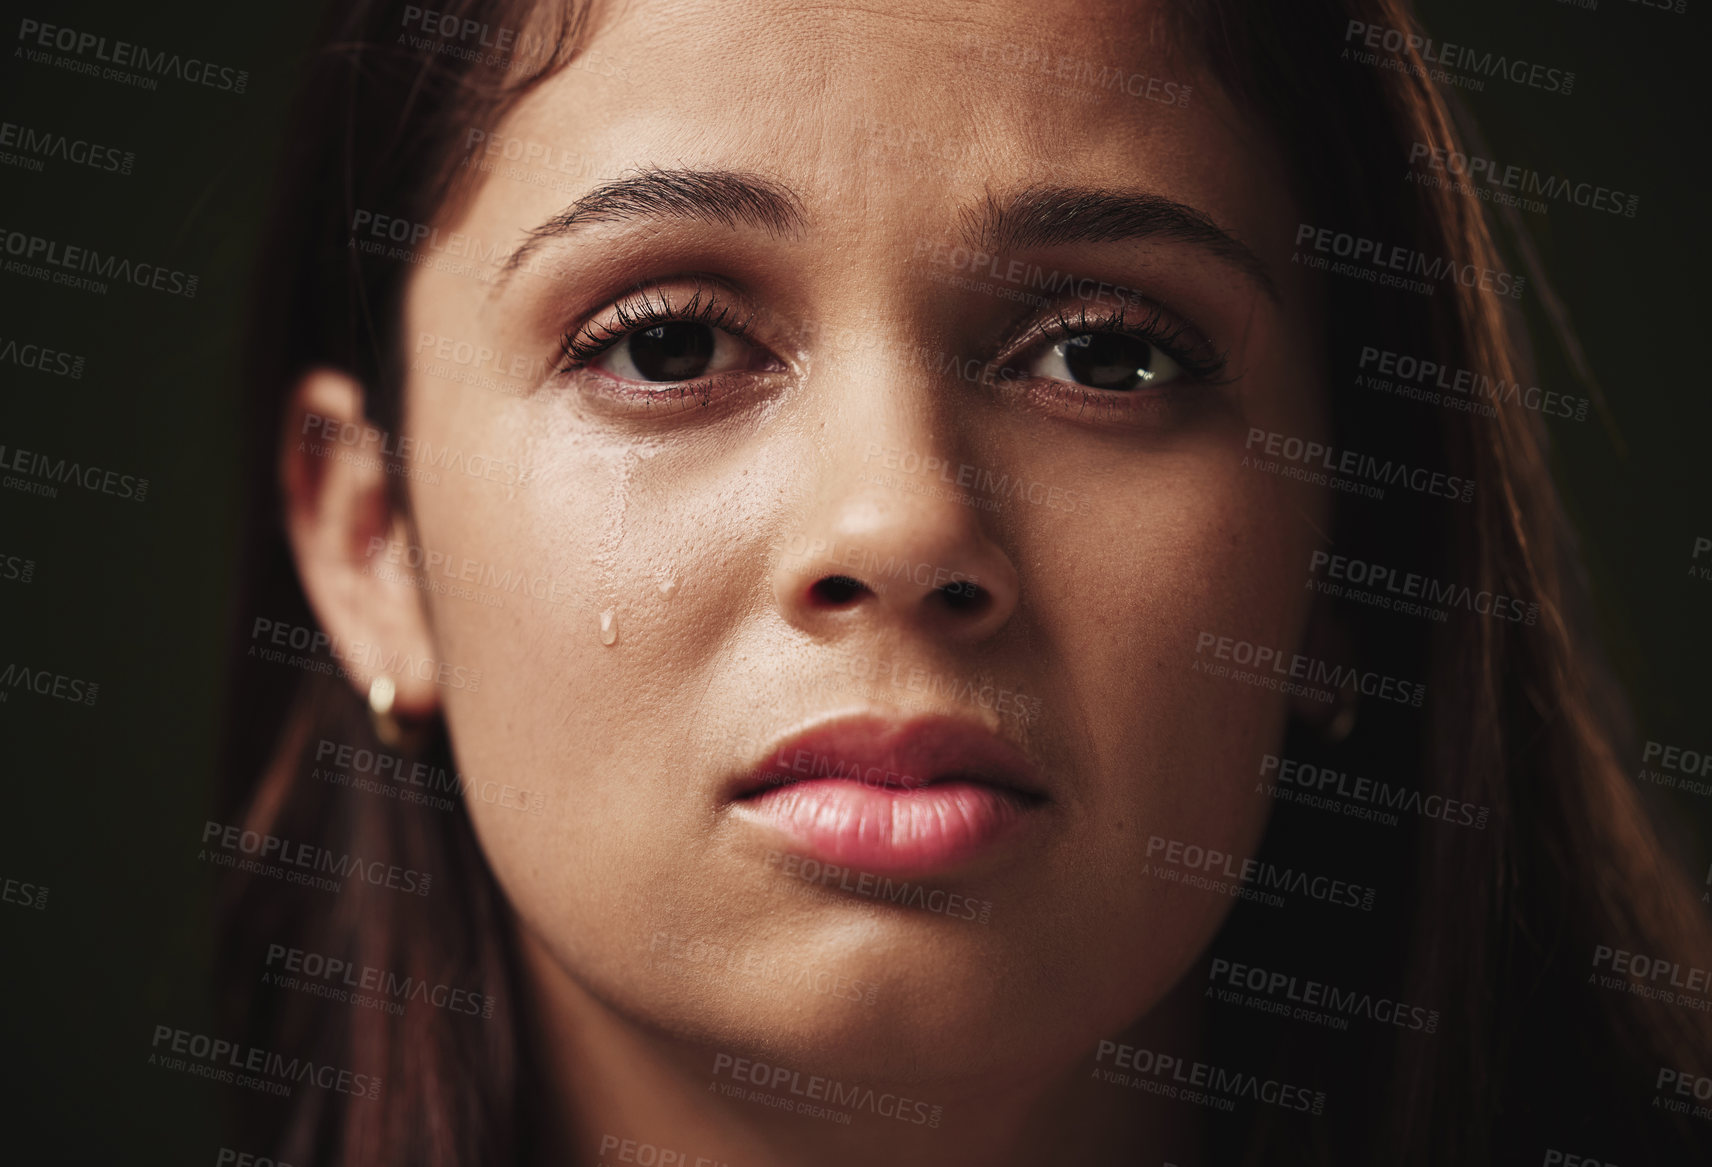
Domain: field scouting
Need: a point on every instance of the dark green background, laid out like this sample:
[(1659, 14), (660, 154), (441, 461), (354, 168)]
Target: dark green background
[(103, 804)]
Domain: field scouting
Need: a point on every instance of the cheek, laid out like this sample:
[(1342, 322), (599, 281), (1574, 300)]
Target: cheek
[(603, 544), (1193, 549)]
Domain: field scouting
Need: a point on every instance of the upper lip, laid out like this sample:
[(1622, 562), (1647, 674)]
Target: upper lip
[(894, 751)]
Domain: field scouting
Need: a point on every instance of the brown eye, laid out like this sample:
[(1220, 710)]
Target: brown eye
[(1114, 361), (673, 351), (669, 352)]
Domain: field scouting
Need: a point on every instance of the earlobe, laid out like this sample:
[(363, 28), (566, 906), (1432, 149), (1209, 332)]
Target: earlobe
[(1327, 638), (341, 522)]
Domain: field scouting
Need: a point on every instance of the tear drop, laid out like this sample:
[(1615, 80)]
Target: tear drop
[(609, 627)]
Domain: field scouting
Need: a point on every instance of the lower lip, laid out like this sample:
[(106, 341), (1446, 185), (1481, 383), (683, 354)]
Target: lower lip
[(890, 830)]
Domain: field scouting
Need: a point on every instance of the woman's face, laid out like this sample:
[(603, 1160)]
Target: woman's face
[(937, 293)]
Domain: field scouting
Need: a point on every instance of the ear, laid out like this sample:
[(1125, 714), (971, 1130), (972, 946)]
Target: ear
[(341, 522)]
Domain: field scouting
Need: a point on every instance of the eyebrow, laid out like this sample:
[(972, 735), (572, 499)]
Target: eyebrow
[(728, 198), (1040, 216), (1048, 216)]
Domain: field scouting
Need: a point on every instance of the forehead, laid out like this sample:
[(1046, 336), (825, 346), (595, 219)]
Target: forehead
[(928, 103)]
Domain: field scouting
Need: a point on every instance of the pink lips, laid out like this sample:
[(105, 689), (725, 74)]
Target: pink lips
[(892, 796)]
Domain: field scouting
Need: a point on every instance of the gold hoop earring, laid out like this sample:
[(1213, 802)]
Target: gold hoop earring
[(383, 691), (1342, 723)]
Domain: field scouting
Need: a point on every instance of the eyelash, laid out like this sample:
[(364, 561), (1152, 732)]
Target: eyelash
[(1193, 352), (584, 345), (647, 307)]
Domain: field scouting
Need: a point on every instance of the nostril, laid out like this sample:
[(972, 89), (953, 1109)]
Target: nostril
[(835, 591), (965, 596)]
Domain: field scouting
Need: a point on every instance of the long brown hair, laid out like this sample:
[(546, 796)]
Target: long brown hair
[(1493, 928)]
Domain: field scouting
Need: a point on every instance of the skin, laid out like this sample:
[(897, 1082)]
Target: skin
[(1093, 611)]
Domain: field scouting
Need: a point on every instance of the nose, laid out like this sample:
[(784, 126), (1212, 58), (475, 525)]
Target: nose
[(889, 537)]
